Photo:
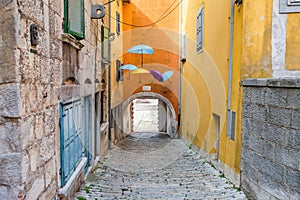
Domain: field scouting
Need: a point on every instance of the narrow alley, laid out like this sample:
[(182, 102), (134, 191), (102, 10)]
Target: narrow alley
[(145, 99), (153, 166)]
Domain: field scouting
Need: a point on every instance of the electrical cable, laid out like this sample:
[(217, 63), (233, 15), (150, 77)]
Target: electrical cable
[(147, 25), (159, 18)]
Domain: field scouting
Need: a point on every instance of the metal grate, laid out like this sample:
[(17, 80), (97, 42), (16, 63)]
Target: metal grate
[(231, 121)]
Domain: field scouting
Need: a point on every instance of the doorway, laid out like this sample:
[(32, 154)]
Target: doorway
[(145, 115)]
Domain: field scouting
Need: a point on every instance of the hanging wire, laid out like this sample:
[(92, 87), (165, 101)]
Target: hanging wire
[(159, 20), (146, 33)]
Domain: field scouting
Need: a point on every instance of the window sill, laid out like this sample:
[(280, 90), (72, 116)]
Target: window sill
[(70, 39)]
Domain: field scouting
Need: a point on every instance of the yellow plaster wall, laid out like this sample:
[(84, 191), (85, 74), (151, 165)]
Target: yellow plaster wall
[(257, 35), (293, 42), (230, 150), (204, 75)]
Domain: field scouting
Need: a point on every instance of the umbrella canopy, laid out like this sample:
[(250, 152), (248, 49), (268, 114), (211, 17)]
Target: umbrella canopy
[(157, 75), (168, 74), (129, 67), (141, 49), (140, 71)]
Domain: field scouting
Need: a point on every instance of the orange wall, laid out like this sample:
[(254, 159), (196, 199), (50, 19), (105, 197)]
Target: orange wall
[(161, 36)]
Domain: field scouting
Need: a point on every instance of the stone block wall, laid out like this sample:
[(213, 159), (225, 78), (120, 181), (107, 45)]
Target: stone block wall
[(31, 88), (10, 106), (271, 139)]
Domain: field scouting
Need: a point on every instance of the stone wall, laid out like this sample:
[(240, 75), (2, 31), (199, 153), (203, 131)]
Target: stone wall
[(31, 88), (10, 106), (271, 139)]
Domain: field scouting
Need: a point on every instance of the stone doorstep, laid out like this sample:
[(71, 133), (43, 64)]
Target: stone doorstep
[(64, 192)]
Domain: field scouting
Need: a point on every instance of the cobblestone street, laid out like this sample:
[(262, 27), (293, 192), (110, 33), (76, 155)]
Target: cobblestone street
[(153, 166)]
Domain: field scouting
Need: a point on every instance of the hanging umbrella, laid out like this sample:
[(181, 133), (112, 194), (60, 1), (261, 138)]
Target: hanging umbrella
[(140, 71), (168, 74), (156, 74), (141, 49), (129, 67)]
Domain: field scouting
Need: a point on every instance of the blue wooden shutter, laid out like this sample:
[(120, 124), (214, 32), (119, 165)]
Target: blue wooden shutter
[(199, 38)]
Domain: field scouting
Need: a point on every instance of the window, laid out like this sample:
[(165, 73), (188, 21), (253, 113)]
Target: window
[(183, 51), (74, 18), (118, 27), (105, 44), (102, 107), (199, 44), (294, 2), (119, 72), (289, 6)]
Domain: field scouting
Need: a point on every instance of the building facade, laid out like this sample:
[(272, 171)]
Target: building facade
[(240, 81), (270, 74), (54, 95)]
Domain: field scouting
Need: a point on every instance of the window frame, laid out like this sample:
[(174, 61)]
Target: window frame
[(103, 38), (67, 28), (294, 2), (118, 26), (289, 6), (119, 72), (199, 30)]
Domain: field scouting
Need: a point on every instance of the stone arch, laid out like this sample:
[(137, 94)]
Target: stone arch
[(172, 122), (87, 81)]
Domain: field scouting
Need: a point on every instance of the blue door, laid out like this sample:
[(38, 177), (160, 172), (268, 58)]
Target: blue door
[(70, 138), (87, 131)]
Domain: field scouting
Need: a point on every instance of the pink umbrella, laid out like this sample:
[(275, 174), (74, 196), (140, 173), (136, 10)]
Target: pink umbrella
[(157, 75)]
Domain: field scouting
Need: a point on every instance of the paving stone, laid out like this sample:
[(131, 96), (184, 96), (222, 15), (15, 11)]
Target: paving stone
[(153, 166)]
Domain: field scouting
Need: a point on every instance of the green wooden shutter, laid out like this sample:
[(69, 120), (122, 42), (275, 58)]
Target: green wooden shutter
[(74, 18)]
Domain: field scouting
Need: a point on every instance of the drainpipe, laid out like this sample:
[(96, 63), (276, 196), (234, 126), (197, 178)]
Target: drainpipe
[(230, 66), (179, 66), (109, 86)]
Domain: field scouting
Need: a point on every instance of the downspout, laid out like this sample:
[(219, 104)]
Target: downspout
[(179, 67), (109, 85), (230, 66)]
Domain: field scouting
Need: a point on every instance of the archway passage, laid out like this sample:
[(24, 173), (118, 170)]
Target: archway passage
[(160, 109)]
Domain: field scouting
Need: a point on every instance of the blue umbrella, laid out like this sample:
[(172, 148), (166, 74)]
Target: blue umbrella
[(141, 49), (129, 67), (168, 74)]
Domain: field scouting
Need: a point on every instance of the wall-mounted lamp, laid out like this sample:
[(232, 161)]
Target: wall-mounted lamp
[(111, 36), (97, 11)]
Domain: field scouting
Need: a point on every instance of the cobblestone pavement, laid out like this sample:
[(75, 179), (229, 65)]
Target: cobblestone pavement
[(153, 166)]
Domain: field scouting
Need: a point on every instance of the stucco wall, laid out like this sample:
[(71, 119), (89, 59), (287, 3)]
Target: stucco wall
[(161, 33), (271, 139)]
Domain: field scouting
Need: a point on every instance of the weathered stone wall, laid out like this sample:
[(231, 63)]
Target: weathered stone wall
[(39, 78), (31, 88), (271, 139), (10, 105)]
